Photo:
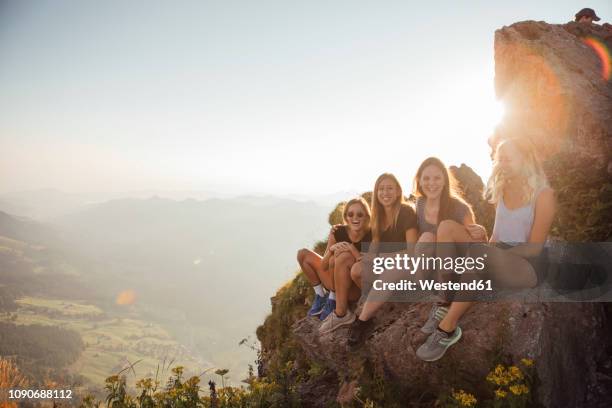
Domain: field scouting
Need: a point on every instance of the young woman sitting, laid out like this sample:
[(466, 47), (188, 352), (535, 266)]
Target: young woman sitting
[(344, 241), (438, 208), (393, 223), (347, 249)]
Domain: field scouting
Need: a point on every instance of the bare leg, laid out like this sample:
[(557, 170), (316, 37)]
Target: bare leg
[(424, 244), (310, 262), (346, 290), (504, 267), (369, 308), (449, 234), (356, 272)]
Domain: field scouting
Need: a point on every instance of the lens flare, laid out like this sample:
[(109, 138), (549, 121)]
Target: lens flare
[(602, 52), (127, 297)]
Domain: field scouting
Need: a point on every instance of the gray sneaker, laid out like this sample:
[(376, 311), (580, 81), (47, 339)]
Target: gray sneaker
[(436, 344), (332, 322), (436, 314)]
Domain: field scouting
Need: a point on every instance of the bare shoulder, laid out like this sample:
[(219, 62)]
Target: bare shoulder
[(547, 193), (546, 198)]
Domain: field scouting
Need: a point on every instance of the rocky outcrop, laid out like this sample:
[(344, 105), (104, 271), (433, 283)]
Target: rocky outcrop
[(554, 335), (551, 81), (472, 187)]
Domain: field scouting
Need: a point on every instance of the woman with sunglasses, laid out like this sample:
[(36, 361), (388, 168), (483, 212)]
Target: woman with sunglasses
[(332, 270)]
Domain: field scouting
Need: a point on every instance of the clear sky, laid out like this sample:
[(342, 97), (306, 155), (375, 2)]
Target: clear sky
[(248, 96)]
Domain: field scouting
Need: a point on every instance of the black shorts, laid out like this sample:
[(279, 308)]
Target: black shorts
[(538, 263)]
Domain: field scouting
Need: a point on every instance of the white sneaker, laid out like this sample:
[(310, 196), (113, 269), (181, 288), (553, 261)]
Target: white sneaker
[(332, 322)]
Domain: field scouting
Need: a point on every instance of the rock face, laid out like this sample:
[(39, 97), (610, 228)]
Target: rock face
[(554, 335), (555, 93), (472, 187), (553, 87)]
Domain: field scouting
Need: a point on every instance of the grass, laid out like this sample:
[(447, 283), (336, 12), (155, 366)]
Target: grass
[(110, 342)]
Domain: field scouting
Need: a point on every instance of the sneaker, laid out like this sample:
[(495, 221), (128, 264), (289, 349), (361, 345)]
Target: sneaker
[(332, 322), (436, 344), (357, 331), (436, 315), (317, 305), (329, 307)]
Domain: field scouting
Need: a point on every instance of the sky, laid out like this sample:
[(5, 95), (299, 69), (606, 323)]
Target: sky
[(277, 97)]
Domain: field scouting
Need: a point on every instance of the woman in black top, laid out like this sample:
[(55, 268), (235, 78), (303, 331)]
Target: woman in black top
[(394, 228), (343, 248)]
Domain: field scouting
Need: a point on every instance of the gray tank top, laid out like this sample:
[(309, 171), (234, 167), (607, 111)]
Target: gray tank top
[(458, 212)]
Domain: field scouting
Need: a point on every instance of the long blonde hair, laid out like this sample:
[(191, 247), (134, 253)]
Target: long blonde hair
[(531, 170), (378, 212)]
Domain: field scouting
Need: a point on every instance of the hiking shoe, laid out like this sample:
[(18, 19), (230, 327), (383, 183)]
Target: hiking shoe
[(317, 305), (436, 315), (436, 344), (329, 307), (332, 322), (357, 331)]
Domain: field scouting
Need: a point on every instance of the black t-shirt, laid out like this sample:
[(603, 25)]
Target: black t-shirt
[(341, 235), (406, 220)]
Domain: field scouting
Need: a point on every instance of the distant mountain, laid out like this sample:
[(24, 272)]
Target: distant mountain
[(46, 204), (26, 229)]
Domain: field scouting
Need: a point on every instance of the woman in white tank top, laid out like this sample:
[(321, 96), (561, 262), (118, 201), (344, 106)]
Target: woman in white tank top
[(525, 209)]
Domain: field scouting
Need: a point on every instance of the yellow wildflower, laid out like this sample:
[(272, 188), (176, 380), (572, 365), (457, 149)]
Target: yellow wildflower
[(464, 398), (499, 393), (515, 373), (519, 389), (527, 362)]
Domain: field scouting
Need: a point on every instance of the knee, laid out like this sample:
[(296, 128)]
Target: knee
[(427, 237), (446, 227), (344, 259), (301, 255)]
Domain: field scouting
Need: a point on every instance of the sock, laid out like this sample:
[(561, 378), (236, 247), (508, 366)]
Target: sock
[(449, 333), (332, 295), (319, 290), (337, 315)]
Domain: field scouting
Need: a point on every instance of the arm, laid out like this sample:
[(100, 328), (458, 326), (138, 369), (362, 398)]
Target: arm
[(331, 241), (412, 236), (545, 209), (476, 231)]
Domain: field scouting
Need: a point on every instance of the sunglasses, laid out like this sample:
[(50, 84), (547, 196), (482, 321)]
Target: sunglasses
[(350, 214)]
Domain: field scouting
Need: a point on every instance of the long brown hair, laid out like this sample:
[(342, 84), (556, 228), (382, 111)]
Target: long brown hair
[(449, 197), (378, 212)]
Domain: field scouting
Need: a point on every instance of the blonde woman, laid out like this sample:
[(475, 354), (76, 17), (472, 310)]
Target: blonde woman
[(525, 209), (343, 244), (393, 224)]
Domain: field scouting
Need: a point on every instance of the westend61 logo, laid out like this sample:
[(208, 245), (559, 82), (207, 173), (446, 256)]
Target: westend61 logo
[(405, 262)]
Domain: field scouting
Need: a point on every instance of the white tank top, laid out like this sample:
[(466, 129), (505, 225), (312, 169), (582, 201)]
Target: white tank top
[(513, 226)]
